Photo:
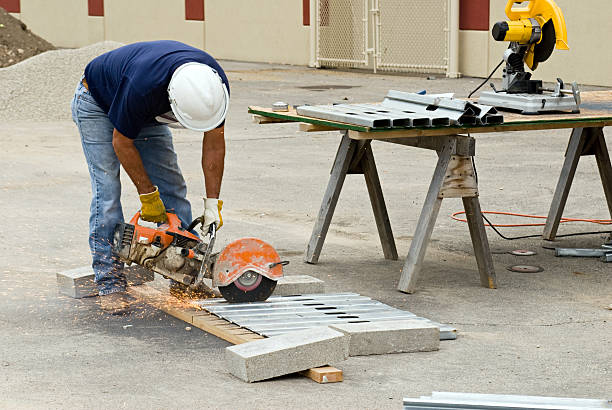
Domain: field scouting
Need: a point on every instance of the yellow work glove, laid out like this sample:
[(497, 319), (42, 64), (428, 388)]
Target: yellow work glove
[(153, 209), (212, 213)]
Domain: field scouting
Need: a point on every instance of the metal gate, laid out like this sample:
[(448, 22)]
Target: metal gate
[(392, 35), (342, 33)]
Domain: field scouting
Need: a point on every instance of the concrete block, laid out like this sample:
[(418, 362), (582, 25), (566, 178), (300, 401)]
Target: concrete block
[(298, 285), (79, 283), (406, 335), (285, 354)]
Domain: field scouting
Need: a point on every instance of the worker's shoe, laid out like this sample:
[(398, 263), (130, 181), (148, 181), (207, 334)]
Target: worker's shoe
[(117, 303), (178, 290)]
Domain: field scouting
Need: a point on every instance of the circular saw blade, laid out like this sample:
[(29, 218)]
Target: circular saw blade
[(543, 50), (525, 268), (249, 290)]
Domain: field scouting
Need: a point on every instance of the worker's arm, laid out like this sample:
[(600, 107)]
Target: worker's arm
[(213, 157), (152, 209), (129, 157)]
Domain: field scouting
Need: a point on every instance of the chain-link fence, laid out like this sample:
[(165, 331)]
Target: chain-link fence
[(342, 33), (413, 35), (392, 35)]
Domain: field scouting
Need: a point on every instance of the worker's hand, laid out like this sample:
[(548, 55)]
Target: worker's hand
[(153, 209), (212, 213)]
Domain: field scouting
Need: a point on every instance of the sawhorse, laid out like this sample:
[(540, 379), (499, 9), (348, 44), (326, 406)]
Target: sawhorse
[(454, 177), (583, 142)]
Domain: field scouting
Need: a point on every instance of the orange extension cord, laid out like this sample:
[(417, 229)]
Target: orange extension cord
[(563, 220)]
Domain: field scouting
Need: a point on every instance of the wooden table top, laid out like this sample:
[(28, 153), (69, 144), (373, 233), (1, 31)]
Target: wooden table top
[(595, 111)]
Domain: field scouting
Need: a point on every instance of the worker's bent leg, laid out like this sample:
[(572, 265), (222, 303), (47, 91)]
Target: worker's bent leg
[(96, 136), (157, 152)]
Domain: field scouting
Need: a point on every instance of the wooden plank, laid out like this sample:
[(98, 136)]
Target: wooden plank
[(315, 127), (459, 180), (164, 302), (426, 223), (259, 119), (325, 374), (216, 326), (330, 199), (379, 208), (293, 116), (229, 332), (480, 242), (575, 147), (602, 156), (466, 146)]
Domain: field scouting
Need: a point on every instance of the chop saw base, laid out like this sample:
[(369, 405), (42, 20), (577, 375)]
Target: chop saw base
[(530, 103)]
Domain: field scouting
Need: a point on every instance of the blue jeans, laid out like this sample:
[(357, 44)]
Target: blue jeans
[(157, 152)]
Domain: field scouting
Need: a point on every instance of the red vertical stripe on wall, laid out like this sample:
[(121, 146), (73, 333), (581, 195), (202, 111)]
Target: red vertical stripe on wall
[(12, 6), (474, 15), (95, 7), (306, 12), (194, 10)]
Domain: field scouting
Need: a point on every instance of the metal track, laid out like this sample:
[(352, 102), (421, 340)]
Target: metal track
[(398, 118), (458, 111), (443, 400), (349, 116), (407, 110), (283, 314)]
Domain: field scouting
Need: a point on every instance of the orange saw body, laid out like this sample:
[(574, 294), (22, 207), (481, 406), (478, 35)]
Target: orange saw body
[(246, 270)]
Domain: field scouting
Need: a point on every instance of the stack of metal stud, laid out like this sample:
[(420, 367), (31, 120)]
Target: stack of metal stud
[(407, 110)]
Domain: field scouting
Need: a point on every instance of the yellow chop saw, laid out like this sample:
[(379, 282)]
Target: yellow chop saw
[(534, 29)]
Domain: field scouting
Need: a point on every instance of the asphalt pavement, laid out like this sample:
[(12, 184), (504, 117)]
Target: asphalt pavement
[(546, 333)]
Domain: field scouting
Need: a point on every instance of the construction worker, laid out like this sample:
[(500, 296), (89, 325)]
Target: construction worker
[(120, 107)]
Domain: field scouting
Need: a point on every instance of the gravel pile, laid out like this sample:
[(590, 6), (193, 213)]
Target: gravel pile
[(41, 87)]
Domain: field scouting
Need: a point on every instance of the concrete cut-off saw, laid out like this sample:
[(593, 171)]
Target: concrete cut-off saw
[(246, 270)]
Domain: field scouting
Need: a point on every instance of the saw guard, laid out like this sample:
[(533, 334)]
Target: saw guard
[(246, 254), (547, 10)]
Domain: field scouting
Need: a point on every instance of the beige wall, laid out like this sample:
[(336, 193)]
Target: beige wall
[(257, 30), (95, 25), (63, 23), (589, 60), (129, 21), (473, 61), (272, 31)]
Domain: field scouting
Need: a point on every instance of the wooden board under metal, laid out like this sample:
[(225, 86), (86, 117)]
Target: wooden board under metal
[(196, 316), (595, 111)]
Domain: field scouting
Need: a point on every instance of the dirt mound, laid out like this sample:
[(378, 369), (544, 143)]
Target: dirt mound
[(17, 42)]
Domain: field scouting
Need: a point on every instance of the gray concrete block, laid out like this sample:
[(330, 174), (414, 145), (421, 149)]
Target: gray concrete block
[(298, 285), (285, 354), (404, 335), (79, 283)]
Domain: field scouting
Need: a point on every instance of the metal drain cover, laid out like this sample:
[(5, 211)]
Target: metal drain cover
[(525, 268), (522, 252)]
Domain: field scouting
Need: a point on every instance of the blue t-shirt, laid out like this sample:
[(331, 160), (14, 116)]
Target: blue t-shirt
[(131, 83)]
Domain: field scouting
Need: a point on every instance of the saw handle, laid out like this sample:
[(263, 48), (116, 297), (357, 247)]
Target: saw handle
[(173, 220)]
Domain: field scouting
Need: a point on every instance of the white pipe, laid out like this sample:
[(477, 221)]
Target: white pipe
[(453, 48), (313, 33)]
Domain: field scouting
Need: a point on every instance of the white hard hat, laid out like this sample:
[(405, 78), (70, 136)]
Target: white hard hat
[(198, 97)]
